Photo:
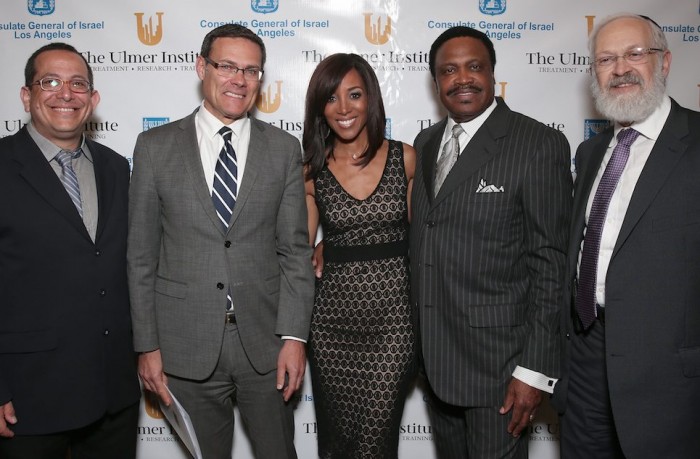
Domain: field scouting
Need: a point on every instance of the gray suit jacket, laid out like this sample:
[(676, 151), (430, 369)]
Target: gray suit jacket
[(652, 294), (486, 267), (181, 263)]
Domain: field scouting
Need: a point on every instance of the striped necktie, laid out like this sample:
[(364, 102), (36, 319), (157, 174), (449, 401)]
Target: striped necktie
[(225, 188), (68, 176), (225, 180)]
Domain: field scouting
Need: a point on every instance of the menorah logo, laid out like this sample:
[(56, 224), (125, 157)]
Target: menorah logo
[(374, 33), (148, 35), (266, 103)]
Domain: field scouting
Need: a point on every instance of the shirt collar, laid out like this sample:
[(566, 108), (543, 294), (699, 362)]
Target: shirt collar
[(470, 127), (211, 125), (50, 149)]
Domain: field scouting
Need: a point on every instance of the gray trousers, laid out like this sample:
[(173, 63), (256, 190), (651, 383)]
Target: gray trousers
[(268, 420)]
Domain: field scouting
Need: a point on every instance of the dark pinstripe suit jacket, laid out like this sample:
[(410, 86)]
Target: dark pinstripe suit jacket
[(487, 267)]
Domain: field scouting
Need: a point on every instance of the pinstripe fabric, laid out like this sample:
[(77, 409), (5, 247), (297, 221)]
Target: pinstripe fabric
[(486, 267)]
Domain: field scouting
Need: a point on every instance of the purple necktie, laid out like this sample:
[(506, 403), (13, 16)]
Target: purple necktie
[(586, 292)]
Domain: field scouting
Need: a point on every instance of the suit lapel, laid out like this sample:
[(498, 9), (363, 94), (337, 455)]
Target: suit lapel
[(668, 150), (105, 182), (584, 182), (255, 162), (430, 152), (37, 172), (188, 152), (480, 149)]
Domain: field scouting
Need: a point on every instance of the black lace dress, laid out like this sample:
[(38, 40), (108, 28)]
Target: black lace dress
[(362, 344)]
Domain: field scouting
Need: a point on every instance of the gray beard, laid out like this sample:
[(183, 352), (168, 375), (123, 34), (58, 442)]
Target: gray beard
[(629, 108)]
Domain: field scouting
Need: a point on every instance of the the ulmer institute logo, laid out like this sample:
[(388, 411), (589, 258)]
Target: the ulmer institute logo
[(267, 103), (264, 6), (374, 32), (149, 35), (41, 7), (492, 7)]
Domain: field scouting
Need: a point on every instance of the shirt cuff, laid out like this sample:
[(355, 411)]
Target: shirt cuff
[(535, 379), (293, 338)]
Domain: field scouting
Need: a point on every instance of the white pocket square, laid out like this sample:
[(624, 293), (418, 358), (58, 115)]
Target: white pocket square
[(485, 188)]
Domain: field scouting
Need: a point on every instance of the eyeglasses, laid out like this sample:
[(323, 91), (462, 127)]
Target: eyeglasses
[(229, 70), (633, 56), (51, 84)]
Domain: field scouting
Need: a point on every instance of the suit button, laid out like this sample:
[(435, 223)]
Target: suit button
[(430, 223), (227, 244), (220, 286), (103, 292), (98, 253), (106, 332)]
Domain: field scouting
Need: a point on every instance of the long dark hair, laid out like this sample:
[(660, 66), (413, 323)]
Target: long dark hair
[(318, 137)]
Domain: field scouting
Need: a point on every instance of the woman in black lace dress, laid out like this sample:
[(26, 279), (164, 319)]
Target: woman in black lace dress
[(362, 345)]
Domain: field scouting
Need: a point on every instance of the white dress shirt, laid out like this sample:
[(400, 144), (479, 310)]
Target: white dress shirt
[(640, 150)]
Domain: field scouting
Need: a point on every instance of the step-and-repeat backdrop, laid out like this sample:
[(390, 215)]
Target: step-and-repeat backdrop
[(143, 54)]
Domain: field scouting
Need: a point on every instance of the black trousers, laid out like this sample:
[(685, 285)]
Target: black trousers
[(587, 426), (111, 437)]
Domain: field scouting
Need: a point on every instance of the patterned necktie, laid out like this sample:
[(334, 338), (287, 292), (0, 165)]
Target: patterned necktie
[(588, 270), (225, 179), (68, 176), (448, 158)]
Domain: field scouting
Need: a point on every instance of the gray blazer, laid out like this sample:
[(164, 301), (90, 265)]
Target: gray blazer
[(181, 263), (487, 267)]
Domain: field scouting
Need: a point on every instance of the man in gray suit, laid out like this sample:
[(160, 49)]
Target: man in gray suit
[(630, 383), (218, 257), (491, 203)]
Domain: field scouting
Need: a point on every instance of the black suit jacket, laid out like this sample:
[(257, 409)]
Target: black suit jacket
[(66, 356), (652, 324), (486, 267)]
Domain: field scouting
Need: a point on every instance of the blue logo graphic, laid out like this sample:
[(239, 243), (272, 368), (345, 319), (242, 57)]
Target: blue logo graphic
[(264, 6), (591, 128), (150, 123), (387, 128), (492, 7), (41, 7)]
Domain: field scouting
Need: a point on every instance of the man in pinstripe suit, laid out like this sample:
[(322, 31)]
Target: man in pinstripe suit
[(487, 255)]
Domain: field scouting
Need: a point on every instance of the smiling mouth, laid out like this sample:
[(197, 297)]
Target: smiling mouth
[(234, 95), (346, 123)]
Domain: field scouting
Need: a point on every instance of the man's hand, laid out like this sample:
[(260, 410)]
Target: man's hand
[(7, 416), (317, 260), (291, 365), (151, 373), (523, 400)]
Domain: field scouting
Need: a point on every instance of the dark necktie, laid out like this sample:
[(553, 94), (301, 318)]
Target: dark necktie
[(225, 187), (225, 179), (450, 154), (68, 176), (588, 270)]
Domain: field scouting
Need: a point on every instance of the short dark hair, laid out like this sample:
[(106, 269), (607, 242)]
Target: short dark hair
[(30, 68), (232, 31), (461, 31), (318, 138)]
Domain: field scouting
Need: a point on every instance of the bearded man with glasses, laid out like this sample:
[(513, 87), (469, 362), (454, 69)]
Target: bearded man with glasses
[(68, 379), (631, 306)]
